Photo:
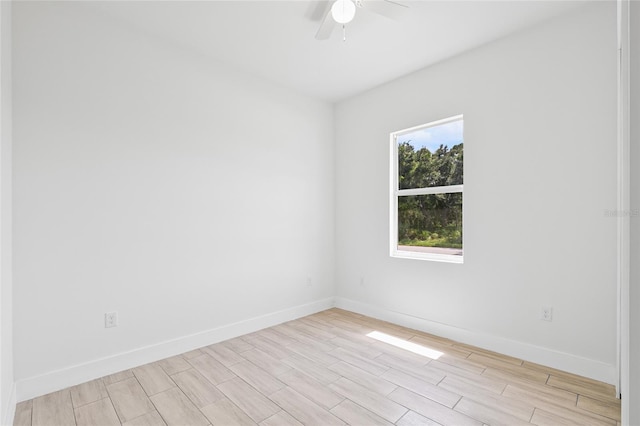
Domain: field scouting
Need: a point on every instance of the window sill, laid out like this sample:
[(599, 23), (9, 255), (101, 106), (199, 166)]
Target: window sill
[(435, 257)]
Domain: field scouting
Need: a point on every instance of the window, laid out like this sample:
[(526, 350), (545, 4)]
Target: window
[(427, 191)]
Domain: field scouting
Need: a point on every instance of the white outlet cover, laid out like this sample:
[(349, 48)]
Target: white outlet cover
[(110, 319), (546, 313)]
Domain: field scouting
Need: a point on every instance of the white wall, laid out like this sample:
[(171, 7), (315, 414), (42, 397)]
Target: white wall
[(540, 171), (131, 156), (7, 396), (632, 401), (156, 183)]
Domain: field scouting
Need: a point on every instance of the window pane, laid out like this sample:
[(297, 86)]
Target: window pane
[(431, 156), (430, 223)]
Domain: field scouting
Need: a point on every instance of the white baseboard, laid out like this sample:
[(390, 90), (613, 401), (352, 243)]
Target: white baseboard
[(9, 411), (73, 375), (55, 380), (559, 360)]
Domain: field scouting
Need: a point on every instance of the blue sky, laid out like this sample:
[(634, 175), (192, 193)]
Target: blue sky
[(448, 134)]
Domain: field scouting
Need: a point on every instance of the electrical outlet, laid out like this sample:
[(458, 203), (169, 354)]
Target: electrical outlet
[(110, 319), (546, 313), (362, 281), (309, 281)]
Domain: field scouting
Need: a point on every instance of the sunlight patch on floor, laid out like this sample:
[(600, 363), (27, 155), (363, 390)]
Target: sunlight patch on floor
[(406, 345)]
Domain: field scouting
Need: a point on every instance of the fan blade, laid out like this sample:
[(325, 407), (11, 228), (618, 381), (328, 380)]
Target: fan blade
[(387, 8), (326, 27)]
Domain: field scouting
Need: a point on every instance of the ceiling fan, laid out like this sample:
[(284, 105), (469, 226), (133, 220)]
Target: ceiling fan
[(343, 11)]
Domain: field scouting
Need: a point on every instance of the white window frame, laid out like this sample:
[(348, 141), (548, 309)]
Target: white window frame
[(395, 193)]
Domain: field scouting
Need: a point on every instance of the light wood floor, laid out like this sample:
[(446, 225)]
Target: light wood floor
[(324, 370)]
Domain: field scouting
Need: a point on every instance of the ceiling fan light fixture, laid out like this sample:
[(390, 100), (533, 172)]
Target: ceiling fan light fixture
[(343, 11)]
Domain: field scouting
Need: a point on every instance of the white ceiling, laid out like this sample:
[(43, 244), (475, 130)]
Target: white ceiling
[(275, 39)]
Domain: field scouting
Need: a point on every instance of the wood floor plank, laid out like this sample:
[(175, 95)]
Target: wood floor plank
[(266, 362), (317, 323), (433, 338), (350, 335), (496, 361), (197, 388), (174, 365), (177, 410), (312, 353), (557, 407), (369, 365), (250, 336), (503, 376), (117, 377), (88, 392), (607, 409), (153, 379), (450, 369), (304, 410), (281, 418), (312, 330), (238, 345), (267, 346), (311, 389), (392, 358), (414, 419), (383, 386), (514, 407), (342, 312), (544, 418), (559, 373), (367, 351), (387, 328), (225, 412), (425, 373), (431, 409), (445, 348), (276, 337), (484, 353), (476, 383), (192, 354), (428, 390), (462, 363), (253, 403), (345, 315), (54, 409), (287, 330), (541, 394), (383, 407), (348, 324), (362, 319), (223, 354), (580, 416), (97, 413), (515, 373), (324, 316), (353, 414), (317, 371), (496, 365), (488, 415), (210, 368), (403, 354), (150, 419), (129, 399), (258, 378), (22, 416), (301, 335), (579, 386), (316, 344)]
